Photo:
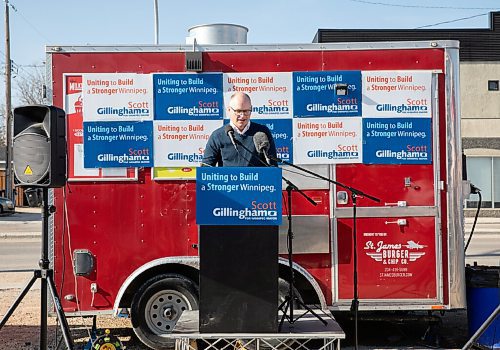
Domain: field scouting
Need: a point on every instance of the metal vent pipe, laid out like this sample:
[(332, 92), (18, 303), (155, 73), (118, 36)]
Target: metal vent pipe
[(218, 33)]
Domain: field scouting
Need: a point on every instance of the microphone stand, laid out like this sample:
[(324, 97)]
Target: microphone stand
[(355, 194), (291, 297)]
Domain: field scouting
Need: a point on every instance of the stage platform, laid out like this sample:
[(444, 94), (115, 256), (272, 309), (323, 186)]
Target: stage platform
[(306, 333)]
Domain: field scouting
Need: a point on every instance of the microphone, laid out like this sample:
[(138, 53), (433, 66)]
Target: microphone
[(261, 142), (230, 132)]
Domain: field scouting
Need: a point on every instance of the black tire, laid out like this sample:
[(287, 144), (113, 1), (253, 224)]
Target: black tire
[(157, 306)]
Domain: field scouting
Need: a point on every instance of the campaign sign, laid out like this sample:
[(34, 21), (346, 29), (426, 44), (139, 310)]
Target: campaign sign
[(181, 142), (271, 92), (118, 144), (327, 140), (281, 130), (396, 94), (238, 196), (117, 97), (188, 96), (397, 141), (328, 93)]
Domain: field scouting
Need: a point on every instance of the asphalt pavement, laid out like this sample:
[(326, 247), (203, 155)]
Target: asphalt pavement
[(23, 229), (24, 223), (484, 248)]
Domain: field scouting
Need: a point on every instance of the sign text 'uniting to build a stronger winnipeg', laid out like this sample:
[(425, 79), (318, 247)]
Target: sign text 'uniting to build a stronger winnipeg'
[(315, 117), (238, 196)]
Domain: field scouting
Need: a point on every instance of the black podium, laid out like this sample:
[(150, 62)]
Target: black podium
[(238, 279), (238, 210)]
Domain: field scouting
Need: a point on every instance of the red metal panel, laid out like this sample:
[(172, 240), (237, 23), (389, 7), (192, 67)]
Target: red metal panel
[(324, 60), (129, 224), (443, 144), (301, 206), (387, 182), (319, 266), (394, 262), (125, 225)]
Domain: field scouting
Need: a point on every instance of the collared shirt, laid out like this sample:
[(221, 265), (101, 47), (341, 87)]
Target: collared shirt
[(238, 130), (220, 150)]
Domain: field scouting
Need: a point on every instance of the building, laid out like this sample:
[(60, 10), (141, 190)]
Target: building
[(480, 96)]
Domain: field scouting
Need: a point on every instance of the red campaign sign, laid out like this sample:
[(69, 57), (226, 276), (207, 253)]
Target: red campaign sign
[(396, 259), (73, 105)]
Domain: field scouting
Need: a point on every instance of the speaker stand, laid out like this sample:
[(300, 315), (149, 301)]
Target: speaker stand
[(47, 281)]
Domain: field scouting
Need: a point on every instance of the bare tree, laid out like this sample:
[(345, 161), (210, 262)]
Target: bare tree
[(29, 84)]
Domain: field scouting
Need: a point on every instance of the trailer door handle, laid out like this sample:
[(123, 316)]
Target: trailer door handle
[(400, 222), (398, 203)]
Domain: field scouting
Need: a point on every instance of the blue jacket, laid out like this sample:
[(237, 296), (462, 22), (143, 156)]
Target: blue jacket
[(220, 151)]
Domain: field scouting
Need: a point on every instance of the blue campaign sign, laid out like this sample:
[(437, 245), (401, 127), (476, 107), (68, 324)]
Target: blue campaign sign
[(238, 196), (282, 131), (327, 93), (397, 141), (117, 144), (188, 96)]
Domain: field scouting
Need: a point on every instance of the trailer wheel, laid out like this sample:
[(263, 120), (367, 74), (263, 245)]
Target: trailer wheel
[(157, 306)]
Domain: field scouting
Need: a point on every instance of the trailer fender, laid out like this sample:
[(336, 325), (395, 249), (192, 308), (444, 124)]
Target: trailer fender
[(194, 262), (310, 279), (188, 261)]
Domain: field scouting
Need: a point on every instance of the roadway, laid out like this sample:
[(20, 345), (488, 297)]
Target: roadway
[(20, 249), (20, 242)]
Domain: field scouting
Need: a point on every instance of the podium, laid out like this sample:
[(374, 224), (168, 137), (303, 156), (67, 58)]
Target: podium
[(239, 211)]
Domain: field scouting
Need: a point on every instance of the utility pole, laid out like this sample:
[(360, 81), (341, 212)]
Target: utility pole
[(9, 193), (157, 24)]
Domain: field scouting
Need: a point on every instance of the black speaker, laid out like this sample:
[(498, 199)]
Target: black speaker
[(39, 146)]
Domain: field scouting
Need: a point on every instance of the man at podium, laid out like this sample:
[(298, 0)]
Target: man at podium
[(234, 144)]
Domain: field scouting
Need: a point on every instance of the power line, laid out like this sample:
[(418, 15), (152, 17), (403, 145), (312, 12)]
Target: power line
[(453, 20), (424, 6), (29, 23)]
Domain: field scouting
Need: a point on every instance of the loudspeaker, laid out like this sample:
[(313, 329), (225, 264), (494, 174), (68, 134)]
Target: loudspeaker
[(39, 146)]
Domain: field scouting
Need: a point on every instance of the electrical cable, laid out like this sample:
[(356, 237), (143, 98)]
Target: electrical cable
[(29, 23), (433, 7), (474, 190), (424, 6), (452, 21), (72, 263)]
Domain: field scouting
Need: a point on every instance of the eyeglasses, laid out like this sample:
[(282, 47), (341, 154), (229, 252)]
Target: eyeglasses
[(245, 112)]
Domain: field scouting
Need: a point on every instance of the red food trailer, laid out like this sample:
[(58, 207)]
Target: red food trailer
[(128, 239)]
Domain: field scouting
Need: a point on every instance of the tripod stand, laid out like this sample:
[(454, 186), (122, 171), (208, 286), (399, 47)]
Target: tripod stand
[(47, 281), (288, 303), (355, 193)]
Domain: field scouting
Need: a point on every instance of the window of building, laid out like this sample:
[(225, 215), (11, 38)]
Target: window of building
[(484, 173), (492, 85)]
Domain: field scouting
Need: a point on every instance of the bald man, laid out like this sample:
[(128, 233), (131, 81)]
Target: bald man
[(220, 150)]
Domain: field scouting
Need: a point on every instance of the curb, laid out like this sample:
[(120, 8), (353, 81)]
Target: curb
[(20, 235)]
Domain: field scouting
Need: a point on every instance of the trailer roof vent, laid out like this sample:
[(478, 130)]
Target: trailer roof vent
[(194, 62), (218, 33)]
